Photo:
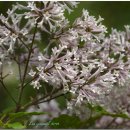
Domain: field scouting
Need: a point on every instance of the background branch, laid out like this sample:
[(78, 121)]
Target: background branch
[(37, 101), (25, 71)]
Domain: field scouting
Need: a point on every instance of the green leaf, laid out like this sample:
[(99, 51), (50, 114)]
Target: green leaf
[(21, 115), (96, 108), (1, 124), (122, 115), (101, 111), (16, 125), (65, 121), (8, 110), (98, 112)]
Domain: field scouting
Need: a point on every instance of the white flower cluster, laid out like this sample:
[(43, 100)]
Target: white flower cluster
[(82, 61), (85, 62), (13, 35), (48, 14)]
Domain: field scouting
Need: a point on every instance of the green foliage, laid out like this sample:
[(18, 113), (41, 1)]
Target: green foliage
[(18, 120), (74, 122), (23, 115), (65, 121), (16, 125), (1, 123)]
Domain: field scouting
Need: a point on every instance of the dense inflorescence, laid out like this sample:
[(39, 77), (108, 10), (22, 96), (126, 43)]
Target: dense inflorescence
[(79, 58)]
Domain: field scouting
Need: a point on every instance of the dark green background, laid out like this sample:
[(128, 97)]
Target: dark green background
[(115, 14)]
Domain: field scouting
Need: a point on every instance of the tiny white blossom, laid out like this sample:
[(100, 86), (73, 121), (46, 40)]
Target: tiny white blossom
[(43, 76), (79, 99), (32, 73), (36, 84), (66, 88), (40, 68), (69, 105), (73, 90)]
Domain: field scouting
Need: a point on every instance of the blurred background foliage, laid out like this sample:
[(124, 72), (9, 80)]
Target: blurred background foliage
[(115, 14)]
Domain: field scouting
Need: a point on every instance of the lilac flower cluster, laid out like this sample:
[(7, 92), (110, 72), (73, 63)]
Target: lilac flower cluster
[(82, 61), (48, 15), (85, 62)]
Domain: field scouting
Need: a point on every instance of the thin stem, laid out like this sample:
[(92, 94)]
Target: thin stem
[(20, 74), (109, 124), (4, 86), (5, 76), (29, 55), (31, 80), (62, 94), (25, 71), (23, 42), (36, 76), (35, 102)]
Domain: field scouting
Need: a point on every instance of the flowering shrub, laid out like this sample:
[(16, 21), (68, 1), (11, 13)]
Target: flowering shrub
[(77, 61)]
